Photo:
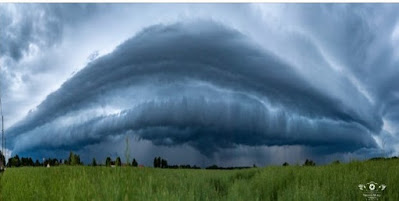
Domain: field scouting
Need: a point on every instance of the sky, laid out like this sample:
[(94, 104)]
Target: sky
[(201, 84)]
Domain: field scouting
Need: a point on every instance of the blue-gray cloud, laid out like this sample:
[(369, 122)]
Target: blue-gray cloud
[(201, 84)]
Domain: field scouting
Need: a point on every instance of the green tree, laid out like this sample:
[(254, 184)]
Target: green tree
[(309, 163), (134, 163), (74, 159), (78, 160), (14, 161), (118, 161), (17, 161), (70, 158), (2, 159), (37, 163), (155, 162), (108, 161), (94, 162), (31, 163), (159, 161), (164, 163)]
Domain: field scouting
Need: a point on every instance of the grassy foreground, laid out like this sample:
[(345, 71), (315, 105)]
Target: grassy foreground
[(331, 182)]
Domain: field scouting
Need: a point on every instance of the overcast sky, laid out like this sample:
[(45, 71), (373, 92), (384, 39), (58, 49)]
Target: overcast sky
[(226, 84)]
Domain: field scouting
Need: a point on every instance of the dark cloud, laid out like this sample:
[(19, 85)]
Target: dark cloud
[(200, 84)]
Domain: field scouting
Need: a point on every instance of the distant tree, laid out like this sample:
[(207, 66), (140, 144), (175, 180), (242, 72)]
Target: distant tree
[(17, 161), (134, 163), (118, 161), (14, 161), (78, 160), (155, 162), (31, 163), (159, 161), (70, 158), (2, 159), (285, 164), (37, 163), (254, 165), (164, 163), (24, 161), (212, 167), (336, 162), (108, 161), (185, 166), (74, 159), (94, 162), (309, 163)]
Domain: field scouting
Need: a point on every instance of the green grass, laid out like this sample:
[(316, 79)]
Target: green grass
[(331, 182)]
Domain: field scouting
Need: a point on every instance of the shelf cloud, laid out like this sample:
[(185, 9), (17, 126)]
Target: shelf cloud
[(211, 87)]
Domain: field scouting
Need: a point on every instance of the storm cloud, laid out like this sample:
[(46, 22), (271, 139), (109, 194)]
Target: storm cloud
[(215, 89), (208, 86)]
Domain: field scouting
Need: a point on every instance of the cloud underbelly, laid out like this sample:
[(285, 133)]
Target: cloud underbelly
[(198, 114)]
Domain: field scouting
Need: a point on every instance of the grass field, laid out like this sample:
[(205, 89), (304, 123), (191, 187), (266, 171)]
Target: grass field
[(331, 182)]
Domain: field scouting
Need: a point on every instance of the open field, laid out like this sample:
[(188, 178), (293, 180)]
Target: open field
[(331, 182)]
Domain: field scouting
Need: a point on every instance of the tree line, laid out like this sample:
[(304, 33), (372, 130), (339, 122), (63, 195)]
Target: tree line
[(16, 161), (163, 163), (73, 159)]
